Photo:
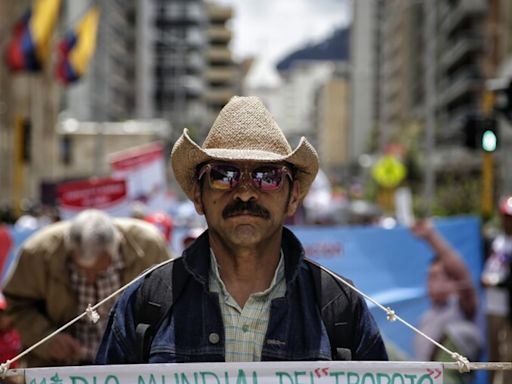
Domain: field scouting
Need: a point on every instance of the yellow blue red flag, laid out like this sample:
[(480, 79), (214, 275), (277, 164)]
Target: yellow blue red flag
[(77, 48), (29, 46)]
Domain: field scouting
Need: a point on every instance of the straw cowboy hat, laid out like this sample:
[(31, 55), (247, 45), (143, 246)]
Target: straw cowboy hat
[(243, 130)]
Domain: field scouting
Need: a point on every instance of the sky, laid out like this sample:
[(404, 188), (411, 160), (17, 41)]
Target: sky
[(270, 29)]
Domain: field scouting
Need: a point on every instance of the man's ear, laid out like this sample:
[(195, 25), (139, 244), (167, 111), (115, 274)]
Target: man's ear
[(294, 201), (198, 202)]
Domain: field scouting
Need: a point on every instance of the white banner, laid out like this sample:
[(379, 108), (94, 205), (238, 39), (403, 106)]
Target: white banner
[(143, 167), (295, 372), (107, 194)]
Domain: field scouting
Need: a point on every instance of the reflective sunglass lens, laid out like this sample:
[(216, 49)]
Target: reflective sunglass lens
[(268, 178), (224, 177)]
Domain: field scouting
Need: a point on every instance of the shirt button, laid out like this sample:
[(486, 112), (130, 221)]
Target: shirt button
[(213, 338), (245, 328)]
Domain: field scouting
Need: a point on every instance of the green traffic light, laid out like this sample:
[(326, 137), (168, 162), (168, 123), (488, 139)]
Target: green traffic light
[(489, 141)]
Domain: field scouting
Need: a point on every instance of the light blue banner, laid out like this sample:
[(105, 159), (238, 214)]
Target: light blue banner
[(391, 265)]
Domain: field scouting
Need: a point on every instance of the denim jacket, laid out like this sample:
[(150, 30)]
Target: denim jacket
[(194, 330)]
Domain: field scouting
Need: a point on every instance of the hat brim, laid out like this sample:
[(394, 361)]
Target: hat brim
[(186, 155)]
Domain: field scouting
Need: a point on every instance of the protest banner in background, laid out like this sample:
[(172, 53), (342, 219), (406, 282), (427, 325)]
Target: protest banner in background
[(143, 168), (109, 195), (391, 265), (304, 372)]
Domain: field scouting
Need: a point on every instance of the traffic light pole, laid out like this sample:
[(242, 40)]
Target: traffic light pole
[(487, 184), (487, 197)]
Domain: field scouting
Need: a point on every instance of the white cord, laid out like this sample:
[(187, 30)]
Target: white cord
[(463, 362)]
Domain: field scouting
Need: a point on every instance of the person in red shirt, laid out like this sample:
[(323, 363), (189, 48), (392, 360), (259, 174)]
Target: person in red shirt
[(10, 341), (163, 222)]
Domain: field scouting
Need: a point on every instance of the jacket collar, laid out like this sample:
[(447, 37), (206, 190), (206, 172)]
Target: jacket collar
[(130, 250), (197, 261)]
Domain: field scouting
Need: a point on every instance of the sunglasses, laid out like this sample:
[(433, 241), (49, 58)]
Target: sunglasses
[(224, 177)]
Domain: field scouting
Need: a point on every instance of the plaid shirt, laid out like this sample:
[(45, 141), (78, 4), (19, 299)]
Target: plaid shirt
[(88, 333), (245, 328)]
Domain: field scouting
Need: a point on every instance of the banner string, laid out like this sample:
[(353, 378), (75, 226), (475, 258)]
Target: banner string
[(90, 312), (462, 364), (462, 361)]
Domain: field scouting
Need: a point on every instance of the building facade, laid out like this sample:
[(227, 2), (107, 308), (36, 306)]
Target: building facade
[(432, 64), (151, 61), (222, 75), (333, 121)]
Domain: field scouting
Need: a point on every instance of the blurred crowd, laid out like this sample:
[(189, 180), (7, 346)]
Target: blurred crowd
[(32, 215)]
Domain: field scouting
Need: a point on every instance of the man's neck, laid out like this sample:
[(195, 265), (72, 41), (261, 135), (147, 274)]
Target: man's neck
[(246, 271)]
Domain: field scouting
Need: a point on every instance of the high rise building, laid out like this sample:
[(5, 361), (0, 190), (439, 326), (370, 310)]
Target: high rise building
[(178, 39), (398, 63), (108, 90), (28, 111), (470, 45), (332, 117), (463, 65), (149, 63), (222, 75), (364, 52), (468, 52)]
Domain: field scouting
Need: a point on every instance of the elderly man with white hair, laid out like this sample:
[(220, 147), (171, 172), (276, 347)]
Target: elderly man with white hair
[(65, 267)]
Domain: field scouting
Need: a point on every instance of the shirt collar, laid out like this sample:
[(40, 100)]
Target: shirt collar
[(216, 279)]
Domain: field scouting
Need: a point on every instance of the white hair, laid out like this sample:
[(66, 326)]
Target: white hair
[(91, 232)]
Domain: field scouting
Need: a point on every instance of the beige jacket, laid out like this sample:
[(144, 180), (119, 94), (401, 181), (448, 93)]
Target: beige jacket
[(39, 293)]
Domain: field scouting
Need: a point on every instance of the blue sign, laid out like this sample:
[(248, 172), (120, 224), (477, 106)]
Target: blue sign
[(391, 265)]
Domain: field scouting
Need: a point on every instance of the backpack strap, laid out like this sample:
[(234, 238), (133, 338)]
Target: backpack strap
[(327, 289), (154, 300)]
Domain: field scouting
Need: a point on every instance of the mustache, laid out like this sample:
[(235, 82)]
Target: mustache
[(250, 207)]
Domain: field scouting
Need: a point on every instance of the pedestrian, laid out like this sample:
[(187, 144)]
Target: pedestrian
[(190, 236), (10, 341), (451, 319), (246, 292), (67, 266), (163, 222), (497, 282)]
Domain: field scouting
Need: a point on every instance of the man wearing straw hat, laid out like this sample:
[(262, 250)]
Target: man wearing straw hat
[(249, 294)]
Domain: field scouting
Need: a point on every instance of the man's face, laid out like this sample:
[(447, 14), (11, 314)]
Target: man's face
[(91, 271), (245, 203), (440, 286)]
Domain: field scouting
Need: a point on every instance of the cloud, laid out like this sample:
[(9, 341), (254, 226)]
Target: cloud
[(272, 29)]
